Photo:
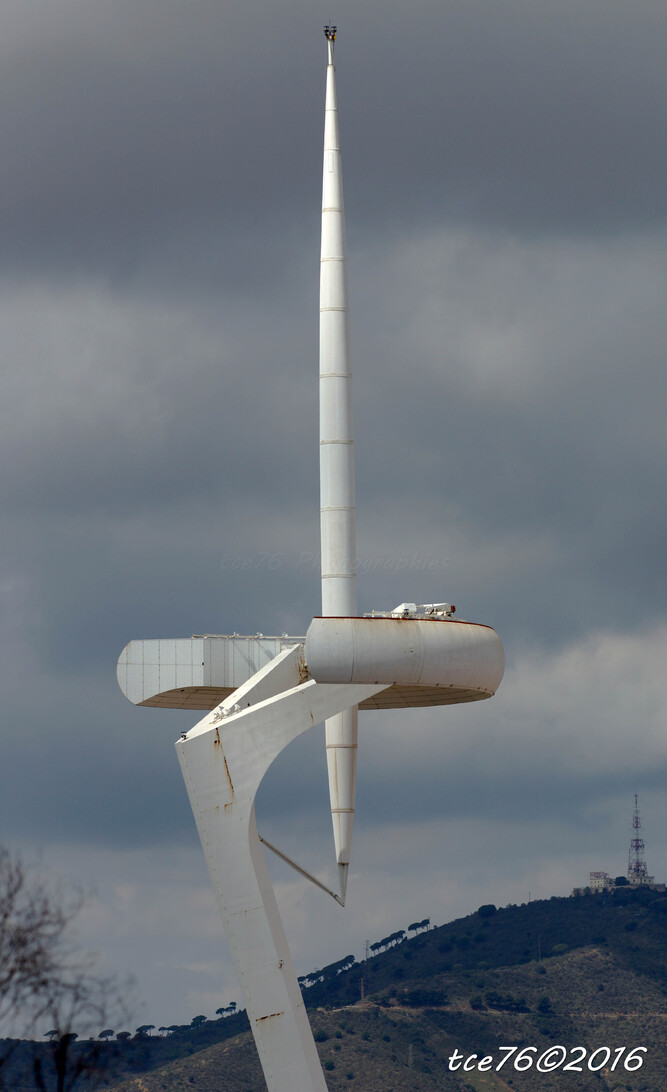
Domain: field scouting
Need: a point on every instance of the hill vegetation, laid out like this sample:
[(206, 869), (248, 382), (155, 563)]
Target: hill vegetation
[(587, 972)]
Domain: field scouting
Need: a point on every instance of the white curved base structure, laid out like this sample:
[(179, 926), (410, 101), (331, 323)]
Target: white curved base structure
[(225, 756), (223, 759)]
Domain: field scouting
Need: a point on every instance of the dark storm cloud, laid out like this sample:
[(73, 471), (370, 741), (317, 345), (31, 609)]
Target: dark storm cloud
[(536, 425), (131, 135), (110, 401), (126, 128)]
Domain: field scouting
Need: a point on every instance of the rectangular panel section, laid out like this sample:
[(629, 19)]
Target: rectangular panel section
[(147, 669)]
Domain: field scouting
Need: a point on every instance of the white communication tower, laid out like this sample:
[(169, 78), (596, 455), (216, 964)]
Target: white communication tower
[(259, 693)]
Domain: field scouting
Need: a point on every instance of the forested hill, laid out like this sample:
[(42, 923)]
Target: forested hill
[(588, 972), (631, 923)]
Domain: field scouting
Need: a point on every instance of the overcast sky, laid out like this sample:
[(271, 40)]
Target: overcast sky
[(505, 171)]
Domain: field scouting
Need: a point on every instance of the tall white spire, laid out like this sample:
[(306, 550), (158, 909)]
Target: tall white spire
[(337, 509)]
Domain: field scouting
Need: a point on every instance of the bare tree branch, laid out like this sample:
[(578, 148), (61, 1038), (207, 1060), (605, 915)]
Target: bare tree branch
[(44, 978), (32, 929)]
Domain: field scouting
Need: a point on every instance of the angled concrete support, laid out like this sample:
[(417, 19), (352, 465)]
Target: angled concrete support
[(223, 759)]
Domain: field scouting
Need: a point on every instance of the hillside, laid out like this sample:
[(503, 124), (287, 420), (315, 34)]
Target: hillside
[(589, 972)]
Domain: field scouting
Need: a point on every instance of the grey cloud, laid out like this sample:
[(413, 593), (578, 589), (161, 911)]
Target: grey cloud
[(129, 136)]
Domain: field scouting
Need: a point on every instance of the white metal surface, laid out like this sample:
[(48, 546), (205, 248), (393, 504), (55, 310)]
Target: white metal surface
[(208, 670), (412, 652), (193, 672), (223, 759), (337, 505)]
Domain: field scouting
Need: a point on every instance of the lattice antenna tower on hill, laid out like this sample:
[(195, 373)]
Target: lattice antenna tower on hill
[(637, 868)]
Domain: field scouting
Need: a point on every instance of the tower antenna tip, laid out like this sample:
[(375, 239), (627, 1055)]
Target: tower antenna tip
[(330, 33)]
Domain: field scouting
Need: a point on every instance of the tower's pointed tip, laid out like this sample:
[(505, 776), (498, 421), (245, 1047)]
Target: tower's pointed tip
[(343, 872), (330, 35)]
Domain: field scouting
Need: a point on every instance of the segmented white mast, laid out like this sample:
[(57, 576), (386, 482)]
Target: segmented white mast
[(337, 510)]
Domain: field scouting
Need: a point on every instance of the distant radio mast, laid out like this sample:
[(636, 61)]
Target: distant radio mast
[(637, 869)]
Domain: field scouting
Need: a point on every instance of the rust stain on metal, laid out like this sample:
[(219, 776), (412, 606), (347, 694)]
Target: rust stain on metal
[(229, 780), (270, 1016), (302, 668)]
